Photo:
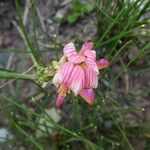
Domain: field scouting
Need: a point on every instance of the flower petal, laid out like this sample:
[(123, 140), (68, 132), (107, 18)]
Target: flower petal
[(91, 54), (91, 59), (62, 90), (88, 95), (69, 49), (59, 100), (63, 60), (90, 78), (75, 80), (65, 72), (76, 59), (87, 46), (102, 63), (56, 78)]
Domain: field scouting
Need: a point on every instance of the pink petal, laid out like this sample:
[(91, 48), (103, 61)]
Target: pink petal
[(87, 46), (75, 80), (76, 59), (92, 65), (91, 59), (69, 49), (102, 63), (88, 95), (90, 78), (59, 100), (65, 72), (91, 54)]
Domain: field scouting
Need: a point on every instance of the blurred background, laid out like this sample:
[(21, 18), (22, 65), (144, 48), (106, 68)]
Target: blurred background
[(37, 30)]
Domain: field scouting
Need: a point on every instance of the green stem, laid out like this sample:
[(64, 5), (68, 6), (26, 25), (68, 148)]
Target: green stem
[(7, 74), (35, 54), (76, 114)]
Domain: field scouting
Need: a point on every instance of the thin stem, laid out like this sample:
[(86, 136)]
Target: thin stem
[(76, 114)]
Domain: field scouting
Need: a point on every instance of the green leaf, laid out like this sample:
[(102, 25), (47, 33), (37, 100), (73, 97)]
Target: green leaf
[(88, 7), (7, 74), (47, 117), (30, 138), (77, 6), (72, 18), (35, 53), (82, 7)]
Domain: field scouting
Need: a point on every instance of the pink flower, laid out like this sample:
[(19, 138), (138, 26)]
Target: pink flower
[(78, 72)]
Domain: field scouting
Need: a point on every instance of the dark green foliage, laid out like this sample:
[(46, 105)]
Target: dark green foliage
[(79, 10)]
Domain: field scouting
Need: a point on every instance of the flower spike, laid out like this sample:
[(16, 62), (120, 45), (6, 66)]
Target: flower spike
[(78, 72)]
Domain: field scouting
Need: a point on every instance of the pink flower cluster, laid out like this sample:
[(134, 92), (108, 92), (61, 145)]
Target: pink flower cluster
[(78, 72)]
